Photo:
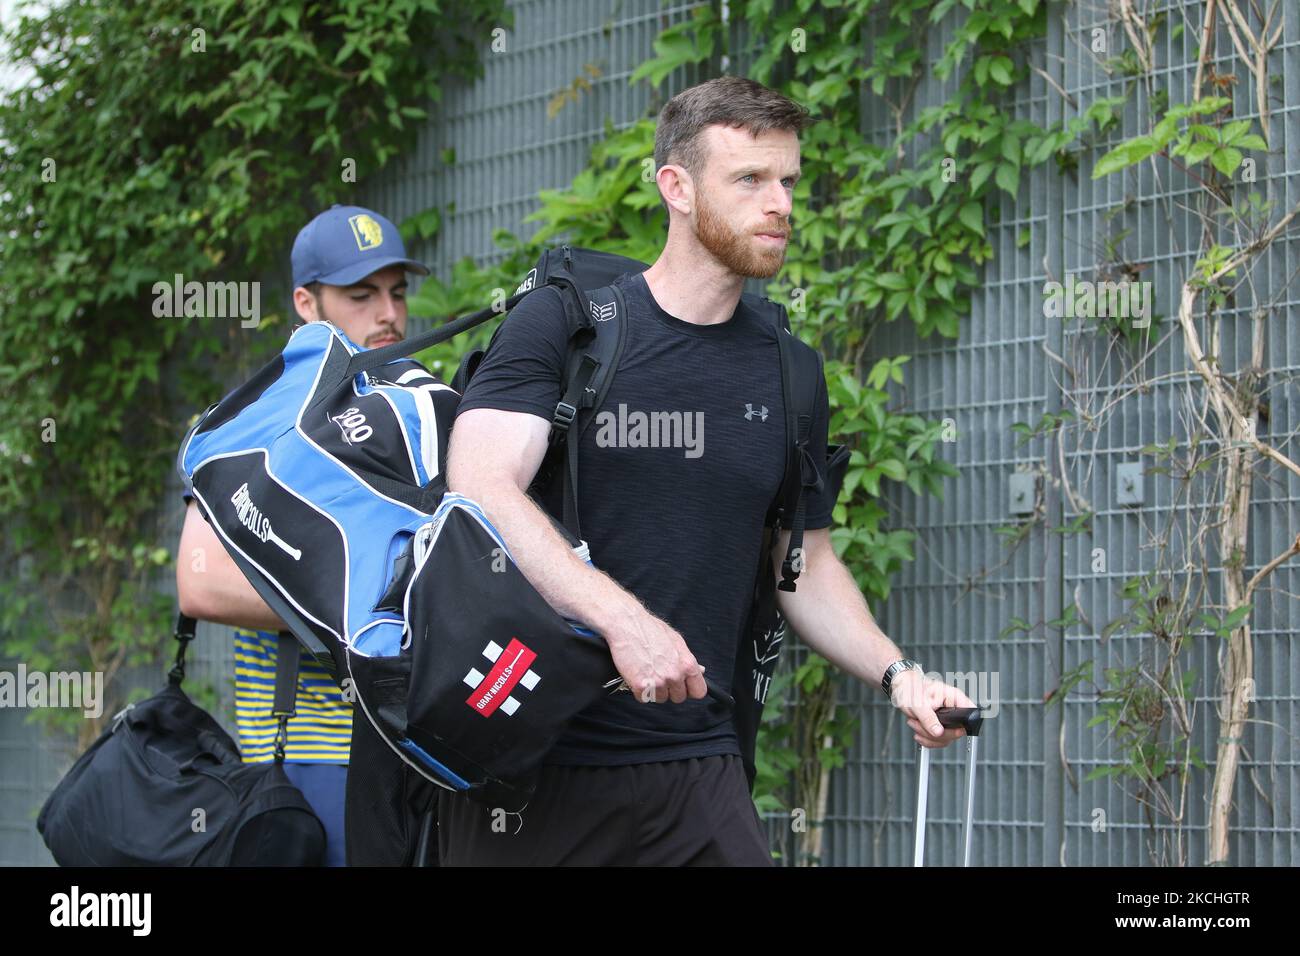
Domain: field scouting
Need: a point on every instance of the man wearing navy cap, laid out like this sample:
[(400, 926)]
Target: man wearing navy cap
[(349, 269)]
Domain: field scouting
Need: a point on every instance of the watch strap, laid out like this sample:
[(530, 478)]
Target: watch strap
[(895, 668)]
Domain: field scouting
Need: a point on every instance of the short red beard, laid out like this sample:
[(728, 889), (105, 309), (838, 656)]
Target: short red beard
[(735, 250)]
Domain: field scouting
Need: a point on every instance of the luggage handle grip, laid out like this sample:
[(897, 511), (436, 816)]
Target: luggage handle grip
[(968, 717)]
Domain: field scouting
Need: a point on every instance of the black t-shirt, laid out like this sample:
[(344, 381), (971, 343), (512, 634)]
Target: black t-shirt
[(672, 504)]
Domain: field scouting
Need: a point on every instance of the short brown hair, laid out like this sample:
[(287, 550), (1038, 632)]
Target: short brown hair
[(728, 100)]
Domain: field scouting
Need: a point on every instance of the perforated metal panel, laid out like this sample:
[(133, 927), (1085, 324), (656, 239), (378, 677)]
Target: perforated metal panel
[(947, 608), (1162, 243)]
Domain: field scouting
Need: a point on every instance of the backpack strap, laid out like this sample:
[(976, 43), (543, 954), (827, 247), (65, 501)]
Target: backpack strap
[(801, 374), (286, 689), (596, 342), (597, 337), (369, 359), (596, 323), (184, 633)]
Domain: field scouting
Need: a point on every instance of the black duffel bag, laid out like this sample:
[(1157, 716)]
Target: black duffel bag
[(166, 786)]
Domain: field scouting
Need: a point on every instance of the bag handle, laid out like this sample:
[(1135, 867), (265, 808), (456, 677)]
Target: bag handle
[(370, 359), (580, 393), (800, 369), (286, 689), (286, 677), (184, 633)]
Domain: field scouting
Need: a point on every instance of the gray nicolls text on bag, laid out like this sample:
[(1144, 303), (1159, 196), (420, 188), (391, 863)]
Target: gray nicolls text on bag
[(251, 517)]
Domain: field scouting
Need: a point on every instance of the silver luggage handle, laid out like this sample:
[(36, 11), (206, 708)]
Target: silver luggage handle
[(971, 719)]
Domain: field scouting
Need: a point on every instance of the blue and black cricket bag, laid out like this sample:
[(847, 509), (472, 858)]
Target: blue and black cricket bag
[(324, 478)]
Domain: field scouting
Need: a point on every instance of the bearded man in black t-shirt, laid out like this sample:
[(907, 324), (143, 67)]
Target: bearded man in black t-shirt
[(677, 472)]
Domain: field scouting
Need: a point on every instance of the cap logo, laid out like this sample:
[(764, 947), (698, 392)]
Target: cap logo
[(366, 231)]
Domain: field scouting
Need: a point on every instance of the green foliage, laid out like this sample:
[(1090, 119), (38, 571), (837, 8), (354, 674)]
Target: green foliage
[(1048, 422), (1015, 626), (1221, 145), (1145, 706), (1148, 708), (1223, 627), (687, 42), (155, 139), (1202, 277), (802, 734), (1136, 713)]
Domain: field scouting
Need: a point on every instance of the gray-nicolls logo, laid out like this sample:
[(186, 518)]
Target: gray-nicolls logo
[(513, 670), (603, 313), (251, 517), (751, 411)]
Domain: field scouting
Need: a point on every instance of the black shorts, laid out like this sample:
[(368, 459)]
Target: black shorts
[(693, 812)]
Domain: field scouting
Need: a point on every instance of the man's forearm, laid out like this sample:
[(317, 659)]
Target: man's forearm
[(830, 615), (493, 456), (571, 586), (223, 601), (211, 587)]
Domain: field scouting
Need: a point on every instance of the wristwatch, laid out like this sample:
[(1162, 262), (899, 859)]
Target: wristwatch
[(895, 668)]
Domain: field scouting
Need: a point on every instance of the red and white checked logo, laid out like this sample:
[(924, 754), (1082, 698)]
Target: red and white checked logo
[(512, 668)]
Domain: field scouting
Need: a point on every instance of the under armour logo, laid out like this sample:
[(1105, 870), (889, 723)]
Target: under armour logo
[(750, 412), (603, 313)]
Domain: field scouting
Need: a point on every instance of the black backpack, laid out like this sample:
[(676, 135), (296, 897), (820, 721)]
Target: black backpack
[(165, 786), (597, 321)]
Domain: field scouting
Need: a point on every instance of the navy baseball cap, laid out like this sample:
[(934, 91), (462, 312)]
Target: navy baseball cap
[(344, 244)]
